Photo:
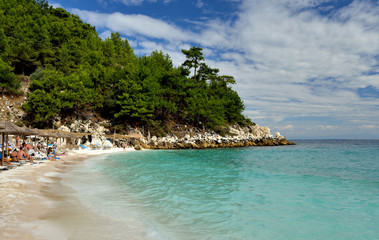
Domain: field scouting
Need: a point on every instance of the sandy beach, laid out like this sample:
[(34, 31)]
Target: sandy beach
[(29, 200)]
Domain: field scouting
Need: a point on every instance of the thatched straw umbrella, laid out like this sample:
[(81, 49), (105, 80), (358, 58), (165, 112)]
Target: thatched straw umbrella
[(8, 128), (28, 132), (130, 137), (135, 135), (65, 134), (119, 136), (47, 133), (43, 133)]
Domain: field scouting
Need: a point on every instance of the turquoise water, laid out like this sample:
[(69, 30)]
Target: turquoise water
[(313, 190)]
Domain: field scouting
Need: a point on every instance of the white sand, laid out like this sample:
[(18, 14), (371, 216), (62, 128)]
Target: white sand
[(23, 200)]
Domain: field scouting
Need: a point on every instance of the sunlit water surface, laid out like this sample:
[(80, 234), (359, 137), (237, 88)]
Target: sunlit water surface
[(314, 190)]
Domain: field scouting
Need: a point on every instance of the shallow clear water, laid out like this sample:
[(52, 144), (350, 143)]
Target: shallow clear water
[(314, 190)]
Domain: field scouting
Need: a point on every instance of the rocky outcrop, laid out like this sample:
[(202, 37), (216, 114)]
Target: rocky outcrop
[(238, 137), (10, 108), (98, 135), (186, 138), (95, 138)]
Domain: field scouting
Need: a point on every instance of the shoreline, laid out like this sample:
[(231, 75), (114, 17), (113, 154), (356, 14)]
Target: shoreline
[(27, 204)]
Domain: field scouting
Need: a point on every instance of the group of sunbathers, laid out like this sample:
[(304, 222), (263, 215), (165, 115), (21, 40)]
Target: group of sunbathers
[(19, 154), (27, 152)]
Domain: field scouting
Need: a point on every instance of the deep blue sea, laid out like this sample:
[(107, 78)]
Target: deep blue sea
[(316, 189)]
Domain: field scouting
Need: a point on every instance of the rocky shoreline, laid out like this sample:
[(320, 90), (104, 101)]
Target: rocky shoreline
[(220, 143), (181, 137), (240, 137)]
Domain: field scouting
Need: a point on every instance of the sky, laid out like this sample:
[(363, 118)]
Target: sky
[(306, 68)]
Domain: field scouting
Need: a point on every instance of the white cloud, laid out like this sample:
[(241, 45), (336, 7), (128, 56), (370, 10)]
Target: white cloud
[(132, 2), (285, 51), (369, 126), (55, 5), (288, 127), (288, 60), (328, 127), (106, 34), (199, 3), (134, 25)]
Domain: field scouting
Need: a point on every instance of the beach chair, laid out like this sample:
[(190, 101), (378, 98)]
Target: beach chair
[(84, 147)]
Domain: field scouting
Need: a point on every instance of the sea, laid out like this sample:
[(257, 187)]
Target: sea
[(316, 189)]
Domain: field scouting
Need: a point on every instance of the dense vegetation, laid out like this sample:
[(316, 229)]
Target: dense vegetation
[(73, 71)]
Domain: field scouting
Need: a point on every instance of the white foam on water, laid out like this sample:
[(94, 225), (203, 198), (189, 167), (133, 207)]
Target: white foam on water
[(89, 208)]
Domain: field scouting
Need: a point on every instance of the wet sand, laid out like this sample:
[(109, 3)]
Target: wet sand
[(35, 205)]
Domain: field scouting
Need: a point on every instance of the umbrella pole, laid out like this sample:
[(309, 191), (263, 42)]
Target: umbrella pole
[(2, 151), (7, 144)]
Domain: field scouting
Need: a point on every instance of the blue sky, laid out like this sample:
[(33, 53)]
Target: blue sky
[(305, 68)]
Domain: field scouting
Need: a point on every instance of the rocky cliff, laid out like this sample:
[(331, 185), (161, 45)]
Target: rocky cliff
[(238, 137), (184, 137)]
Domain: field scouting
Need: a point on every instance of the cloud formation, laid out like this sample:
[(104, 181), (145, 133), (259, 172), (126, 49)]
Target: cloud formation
[(292, 59), (134, 25), (131, 2), (55, 5)]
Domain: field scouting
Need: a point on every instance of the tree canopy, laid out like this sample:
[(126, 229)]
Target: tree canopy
[(72, 70)]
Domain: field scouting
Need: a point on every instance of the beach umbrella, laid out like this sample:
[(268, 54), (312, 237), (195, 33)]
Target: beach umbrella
[(71, 136), (120, 136), (28, 132), (43, 133), (47, 133), (135, 135), (60, 134), (7, 128), (129, 137), (79, 135), (10, 128), (65, 134)]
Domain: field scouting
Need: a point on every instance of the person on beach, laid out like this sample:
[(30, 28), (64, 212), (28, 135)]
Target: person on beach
[(31, 152), (22, 155), (39, 146), (51, 154), (6, 159), (28, 146), (14, 156), (18, 141)]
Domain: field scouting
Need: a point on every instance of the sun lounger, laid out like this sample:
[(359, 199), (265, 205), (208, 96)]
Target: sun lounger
[(4, 168)]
